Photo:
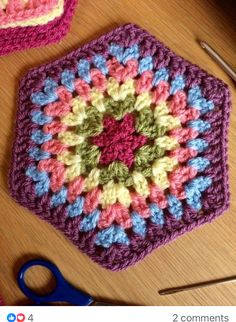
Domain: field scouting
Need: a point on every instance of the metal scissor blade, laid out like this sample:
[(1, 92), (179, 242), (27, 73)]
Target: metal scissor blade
[(102, 304)]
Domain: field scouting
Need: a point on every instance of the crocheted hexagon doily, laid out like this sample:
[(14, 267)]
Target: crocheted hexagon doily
[(34, 28), (15, 13), (122, 146)]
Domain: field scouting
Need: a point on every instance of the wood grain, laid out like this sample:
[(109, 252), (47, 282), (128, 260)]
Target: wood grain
[(206, 253)]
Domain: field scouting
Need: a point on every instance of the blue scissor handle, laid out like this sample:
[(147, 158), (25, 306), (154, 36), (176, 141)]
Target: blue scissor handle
[(63, 292)]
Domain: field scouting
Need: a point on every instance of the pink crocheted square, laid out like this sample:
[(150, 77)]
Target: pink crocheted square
[(122, 145), (19, 38)]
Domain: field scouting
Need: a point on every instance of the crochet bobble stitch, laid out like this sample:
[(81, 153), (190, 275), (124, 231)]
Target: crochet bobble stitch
[(29, 13), (127, 137), (121, 145)]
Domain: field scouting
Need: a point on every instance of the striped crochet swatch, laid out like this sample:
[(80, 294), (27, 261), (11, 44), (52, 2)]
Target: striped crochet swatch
[(122, 146), (33, 23), (15, 13)]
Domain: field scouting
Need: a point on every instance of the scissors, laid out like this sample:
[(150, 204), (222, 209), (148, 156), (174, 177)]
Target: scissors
[(63, 291)]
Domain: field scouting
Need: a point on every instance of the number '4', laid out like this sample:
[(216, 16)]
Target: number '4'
[(31, 318)]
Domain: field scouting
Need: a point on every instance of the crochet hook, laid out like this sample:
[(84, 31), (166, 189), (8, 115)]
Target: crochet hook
[(213, 54), (224, 280)]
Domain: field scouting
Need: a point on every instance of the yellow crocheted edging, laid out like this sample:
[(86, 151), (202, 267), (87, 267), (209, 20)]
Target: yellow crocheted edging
[(113, 192), (160, 169), (42, 20), (120, 92), (78, 113)]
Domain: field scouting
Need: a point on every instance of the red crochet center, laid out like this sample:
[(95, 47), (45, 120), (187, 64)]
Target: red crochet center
[(119, 141)]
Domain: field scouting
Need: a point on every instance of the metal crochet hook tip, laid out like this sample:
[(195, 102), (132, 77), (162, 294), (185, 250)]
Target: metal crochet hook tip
[(202, 44), (179, 289), (221, 62)]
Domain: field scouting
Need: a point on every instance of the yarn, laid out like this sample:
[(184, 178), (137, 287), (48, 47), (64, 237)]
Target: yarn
[(123, 146), (33, 23), (29, 13)]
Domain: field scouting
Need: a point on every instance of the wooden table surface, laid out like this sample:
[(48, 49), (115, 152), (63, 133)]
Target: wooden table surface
[(206, 253)]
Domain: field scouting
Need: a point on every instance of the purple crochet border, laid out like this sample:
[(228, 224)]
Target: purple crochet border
[(19, 38), (215, 200)]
